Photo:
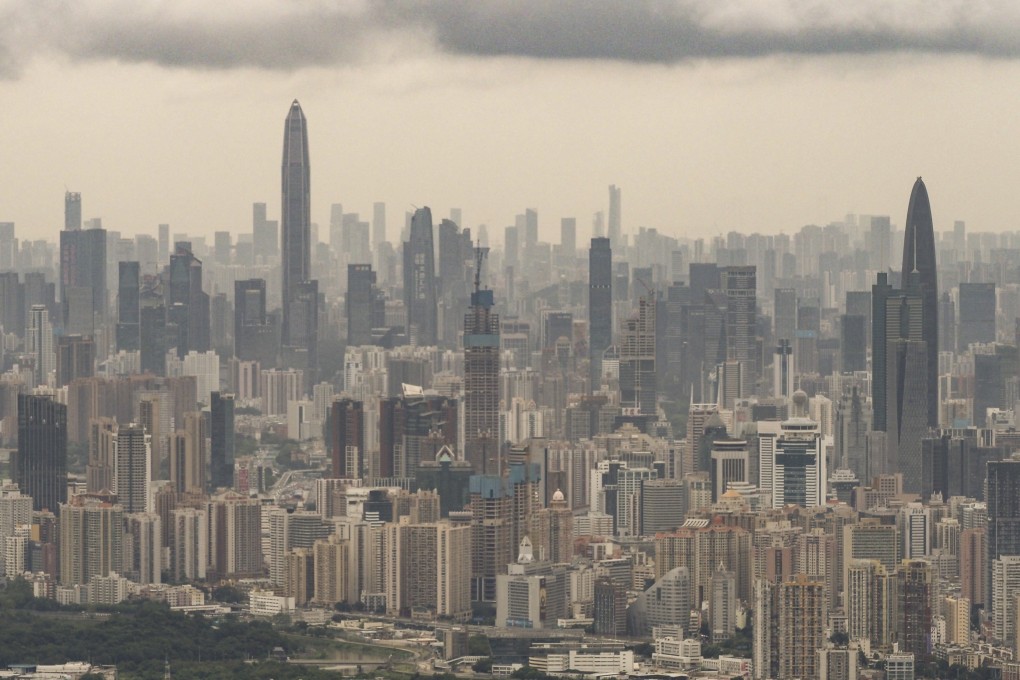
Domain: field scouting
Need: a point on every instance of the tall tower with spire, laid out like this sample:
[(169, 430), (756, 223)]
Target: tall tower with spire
[(300, 293), (481, 378), (919, 269)]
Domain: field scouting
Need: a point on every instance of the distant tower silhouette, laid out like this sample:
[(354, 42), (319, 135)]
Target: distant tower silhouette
[(919, 257), (481, 376)]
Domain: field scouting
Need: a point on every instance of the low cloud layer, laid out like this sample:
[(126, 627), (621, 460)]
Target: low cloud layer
[(292, 34)]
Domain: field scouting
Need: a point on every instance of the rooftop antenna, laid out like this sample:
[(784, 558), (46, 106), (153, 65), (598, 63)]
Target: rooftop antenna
[(480, 254)]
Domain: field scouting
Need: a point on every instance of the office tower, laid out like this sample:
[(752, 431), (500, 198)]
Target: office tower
[(420, 295), (947, 321), (880, 294), (906, 385), (365, 306), (378, 224), (300, 294), (868, 597), (163, 245), (75, 359), (853, 343), (132, 468), (83, 265), (568, 239), (783, 372), (615, 216), (347, 438), (977, 315), (265, 240), (91, 539), (413, 429), (72, 211), (222, 247), (915, 581), (40, 465), (741, 321), (610, 608), (481, 377), (221, 440), (128, 306), (186, 303), (729, 463), (1002, 496), (39, 343), (12, 303), (784, 318), (256, 334), (881, 243), (600, 305), (188, 460), (638, 393), (853, 423), (153, 330), (8, 246), (792, 465), (919, 260)]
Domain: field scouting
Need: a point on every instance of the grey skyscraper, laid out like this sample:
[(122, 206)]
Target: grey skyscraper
[(919, 258), (481, 377), (615, 216), (739, 284), (1003, 498), (365, 307), (299, 332), (83, 266), (420, 296), (255, 332), (221, 454), (187, 304), (72, 211), (977, 315), (128, 309), (265, 240), (40, 465), (638, 392), (880, 293), (600, 304), (378, 224), (905, 385)]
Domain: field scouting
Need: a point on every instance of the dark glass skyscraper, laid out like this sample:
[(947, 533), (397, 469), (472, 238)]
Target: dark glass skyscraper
[(420, 297), (300, 330), (128, 309), (600, 304), (919, 257), (40, 464), (221, 426), (365, 306)]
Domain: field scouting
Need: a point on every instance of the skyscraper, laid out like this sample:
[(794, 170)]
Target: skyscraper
[(40, 465), (72, 211), (977, 315), (615, 215), (739, 284), (132, 472), (83, 265), (919, 258), (300, 293), (255, 332), (481, 377), (420, 295), (39, 343), (600, 304), (347, 438), (128, 307), (365, 307), (221, 440), (187, 304), (637, 360)]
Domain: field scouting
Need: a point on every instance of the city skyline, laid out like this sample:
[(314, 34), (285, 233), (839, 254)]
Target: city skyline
[(703, 141)]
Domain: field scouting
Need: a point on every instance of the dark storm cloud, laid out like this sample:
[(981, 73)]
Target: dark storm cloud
[(290, 34)]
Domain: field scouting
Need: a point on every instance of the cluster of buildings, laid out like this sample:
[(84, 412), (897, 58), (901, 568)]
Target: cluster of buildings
[(785, 438)]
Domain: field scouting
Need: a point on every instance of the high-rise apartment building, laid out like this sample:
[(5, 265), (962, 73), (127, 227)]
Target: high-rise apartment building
[(91, 539), (802, 609), (39, 343), (132, 472)]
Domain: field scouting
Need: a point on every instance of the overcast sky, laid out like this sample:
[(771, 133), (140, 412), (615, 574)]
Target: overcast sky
[(712, 115)]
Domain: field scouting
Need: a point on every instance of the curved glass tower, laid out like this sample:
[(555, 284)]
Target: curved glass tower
[(296, 212), (919, 269)]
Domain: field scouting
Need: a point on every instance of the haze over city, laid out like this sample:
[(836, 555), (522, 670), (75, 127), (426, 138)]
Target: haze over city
[(713, 116)]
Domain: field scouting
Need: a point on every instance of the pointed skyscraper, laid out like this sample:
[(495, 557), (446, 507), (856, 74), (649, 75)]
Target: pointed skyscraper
[(919, 261), (300, 294)]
